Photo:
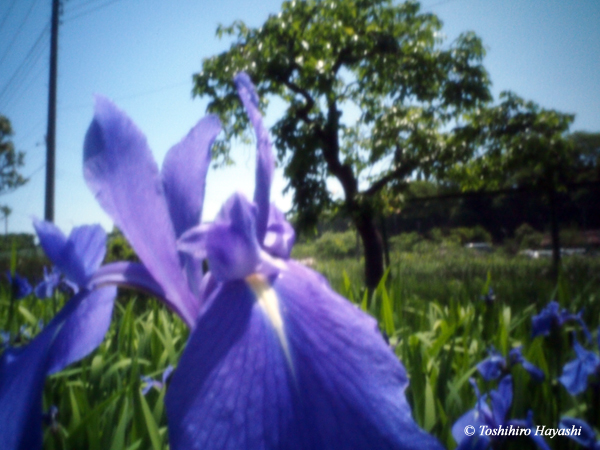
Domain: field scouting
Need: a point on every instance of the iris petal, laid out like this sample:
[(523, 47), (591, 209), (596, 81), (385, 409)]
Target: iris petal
[(231, 389), (235, 388), (122, 174), (184, 174), (265, 164), (72, 334), (231, 245), (77, 256), (575, 373), (280, 236), (501, 400)]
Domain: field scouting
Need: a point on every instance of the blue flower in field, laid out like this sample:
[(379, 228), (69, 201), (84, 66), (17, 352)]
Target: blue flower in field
[(586, 437), (492, 416), (73, 333), (19, 286), (150, 383), (576, 373), (497, 365), (552, 316), (490, 297), (275, 359)]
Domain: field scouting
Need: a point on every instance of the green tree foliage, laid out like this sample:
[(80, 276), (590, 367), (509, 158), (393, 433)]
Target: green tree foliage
[(587, 147), (366, 87), (10, 159), (519, 144)]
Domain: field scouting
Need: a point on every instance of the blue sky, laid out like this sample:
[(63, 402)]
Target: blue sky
[(142, 54)]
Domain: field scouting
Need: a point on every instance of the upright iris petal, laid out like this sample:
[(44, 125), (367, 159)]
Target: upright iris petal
[(151, 209), (75, 331)]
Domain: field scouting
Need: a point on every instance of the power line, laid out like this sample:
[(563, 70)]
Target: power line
[(81, 5), (27, 63), (10, 45), (7, 13), (89, 11), (130, 96), (19, 91)]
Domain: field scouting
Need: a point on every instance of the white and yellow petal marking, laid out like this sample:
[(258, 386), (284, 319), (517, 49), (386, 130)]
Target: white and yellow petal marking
[(268, 301)]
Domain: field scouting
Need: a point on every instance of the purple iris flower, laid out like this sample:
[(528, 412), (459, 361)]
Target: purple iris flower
[(150, 383), (553, 316), (19, 286), (575, 373), (496, 365), (73, 333), (581, 432), (492, 416), (276, 359)]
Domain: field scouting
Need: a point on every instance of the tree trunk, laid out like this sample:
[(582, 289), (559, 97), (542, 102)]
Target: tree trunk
[(554, 233), (373, 249)]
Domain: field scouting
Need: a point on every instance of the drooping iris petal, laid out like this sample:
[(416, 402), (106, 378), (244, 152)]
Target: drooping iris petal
[(72, 334), (280, 236), (122, 174), (586, 437), (184, 174), (575, 373), (22, 375), (515, 356), (77, 256), (231, 245), (265, 164), (535, 372), (285, 363), (84, 322)]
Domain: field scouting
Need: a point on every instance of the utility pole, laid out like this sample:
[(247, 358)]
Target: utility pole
[(51, 133)]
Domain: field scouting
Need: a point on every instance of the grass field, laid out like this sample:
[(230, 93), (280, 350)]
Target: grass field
[(431, 306)]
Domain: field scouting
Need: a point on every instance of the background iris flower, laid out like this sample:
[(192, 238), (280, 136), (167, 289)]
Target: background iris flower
[(493, 415), (73, 333), (276, 359), (576, 373), (19, 286), (497, 365), (552, 316), (587, 436)]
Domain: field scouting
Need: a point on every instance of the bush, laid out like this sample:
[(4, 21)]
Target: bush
[(405, 242), (336, 245), (527, 237)]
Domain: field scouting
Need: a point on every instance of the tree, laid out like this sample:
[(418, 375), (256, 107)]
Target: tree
[(6, 211), (380, 61), (520, 145), (10, 160), (587, 147)]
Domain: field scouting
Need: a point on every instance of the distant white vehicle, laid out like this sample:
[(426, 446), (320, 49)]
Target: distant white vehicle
[(536, 254), (482, 247)]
